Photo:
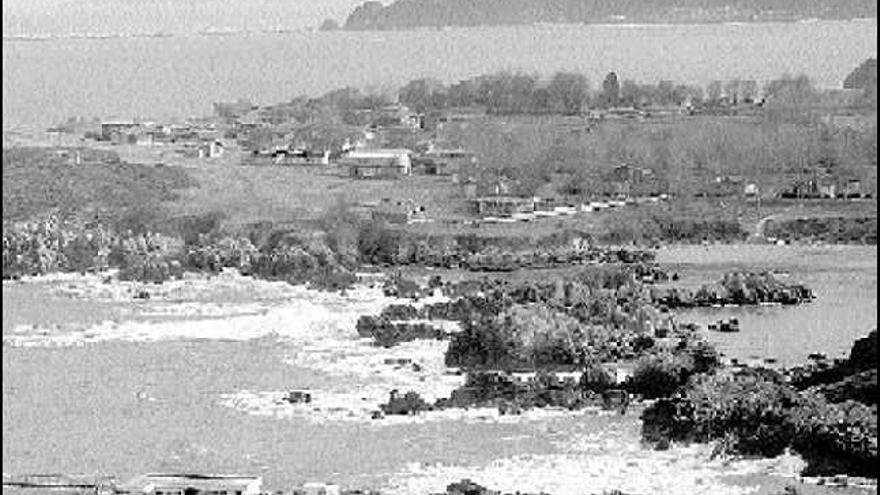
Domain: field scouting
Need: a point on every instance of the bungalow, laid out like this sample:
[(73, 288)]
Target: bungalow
[(211, 149), (118, 130), (751, 190), (722, 186), (852, 189), (378, 163), (192, 484), (631, 174), (443, 161), (819, 187), (502, 206), (298, 156), (397, 212)]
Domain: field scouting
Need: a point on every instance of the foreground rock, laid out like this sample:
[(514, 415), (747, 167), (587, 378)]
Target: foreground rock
[(753, 412), (736, 289), (387, 333)]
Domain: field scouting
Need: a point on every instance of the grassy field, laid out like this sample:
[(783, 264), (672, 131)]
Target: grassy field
[(534, 150)]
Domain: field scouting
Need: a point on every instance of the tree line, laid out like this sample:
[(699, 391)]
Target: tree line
[(569, 93)]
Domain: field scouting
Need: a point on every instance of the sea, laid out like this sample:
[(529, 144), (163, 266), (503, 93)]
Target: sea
[(97, 382), (94, 68)]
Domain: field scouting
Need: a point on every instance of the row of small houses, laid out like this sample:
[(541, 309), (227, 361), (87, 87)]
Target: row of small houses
[(391, 163), (195, 141)]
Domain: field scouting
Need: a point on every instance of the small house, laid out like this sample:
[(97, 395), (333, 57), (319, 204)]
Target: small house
[(469, 188), (852, 188), (378, 163), (751, 190), (502, 206), (314, 488), (397, 212), (192, 484), (118, 130), (443, 161), (211, 149)]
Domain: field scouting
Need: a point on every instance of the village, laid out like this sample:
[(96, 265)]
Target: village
[(414, 167)]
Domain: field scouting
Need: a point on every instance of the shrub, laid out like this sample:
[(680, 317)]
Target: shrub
[(659, 375), (524, 336), (596, 378)]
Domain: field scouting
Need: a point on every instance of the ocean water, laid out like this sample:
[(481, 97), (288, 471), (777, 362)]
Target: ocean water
[(190, 380), (178, 73)]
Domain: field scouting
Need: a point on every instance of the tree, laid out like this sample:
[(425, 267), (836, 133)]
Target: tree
[(748, 90), (611, 89), (420, 94), (713, 91), (665, 93), (630, 93), (568, 93), (732, 89), (793, 92)]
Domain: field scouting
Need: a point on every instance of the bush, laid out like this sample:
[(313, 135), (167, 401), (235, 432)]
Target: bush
[(410, 403), (595, 378), (754, 412), (378, 243), (836, 438), (525, 336), (659, 375)]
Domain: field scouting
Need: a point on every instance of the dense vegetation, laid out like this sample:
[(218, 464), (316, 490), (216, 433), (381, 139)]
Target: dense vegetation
[(751, 411)]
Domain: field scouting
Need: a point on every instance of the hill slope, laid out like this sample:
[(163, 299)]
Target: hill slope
[(403, 14)]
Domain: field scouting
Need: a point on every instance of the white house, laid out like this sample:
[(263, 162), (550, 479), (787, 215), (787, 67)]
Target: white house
[(378, 163), (186, 484)]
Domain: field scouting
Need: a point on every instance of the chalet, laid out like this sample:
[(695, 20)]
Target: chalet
[(192, 484), (378, 163)]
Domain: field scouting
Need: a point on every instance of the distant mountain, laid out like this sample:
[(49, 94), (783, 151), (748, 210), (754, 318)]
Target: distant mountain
[(864, 76), (404, 14)]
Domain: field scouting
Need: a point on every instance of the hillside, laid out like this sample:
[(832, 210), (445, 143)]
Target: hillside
[(37, 181), (864, 76), (404, 14)]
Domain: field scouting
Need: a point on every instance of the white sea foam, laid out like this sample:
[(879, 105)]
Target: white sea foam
[(295, 314), (192, 287), (606, 461), (358, 406)]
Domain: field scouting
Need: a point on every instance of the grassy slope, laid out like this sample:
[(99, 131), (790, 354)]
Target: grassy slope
[(36, 182)]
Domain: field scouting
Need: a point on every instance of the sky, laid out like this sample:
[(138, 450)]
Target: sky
[(25, 17)]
